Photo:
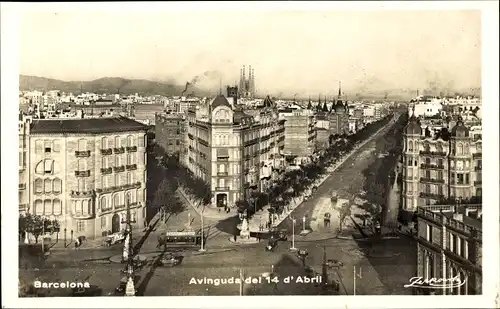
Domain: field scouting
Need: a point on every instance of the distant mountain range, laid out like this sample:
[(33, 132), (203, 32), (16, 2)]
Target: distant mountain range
[(370, 89), (109, 85)]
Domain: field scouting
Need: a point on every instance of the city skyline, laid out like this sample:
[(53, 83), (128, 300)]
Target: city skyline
[(430, 48)]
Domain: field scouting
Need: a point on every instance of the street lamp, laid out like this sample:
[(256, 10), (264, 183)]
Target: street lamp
[(128, 252), (293, 235), (304, 223)]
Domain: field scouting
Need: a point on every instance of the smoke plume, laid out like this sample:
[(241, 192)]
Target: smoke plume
[(210, 77)]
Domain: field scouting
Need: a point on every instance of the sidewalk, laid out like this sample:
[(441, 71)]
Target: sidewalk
[(208, 212)]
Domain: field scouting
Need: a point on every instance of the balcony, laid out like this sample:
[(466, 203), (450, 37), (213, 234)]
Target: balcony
[(434, 196), (82, 173), (22, 186), (432, 166), (432, 180), (131, 167), (221, 188), (82, 154), (81, 194), (478, 168), (190, 136), (433, 153), (222, 174), (477, 155), (112, 189), (23, 207), (478, 182), (82, 216), (106, 152), (132, 149), (106, 171), (119, 150), (118, 169)]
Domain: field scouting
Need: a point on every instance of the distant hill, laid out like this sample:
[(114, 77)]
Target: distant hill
[(106, 85)]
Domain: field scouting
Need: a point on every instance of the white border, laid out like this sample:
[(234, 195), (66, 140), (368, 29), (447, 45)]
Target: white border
[(490, 97)]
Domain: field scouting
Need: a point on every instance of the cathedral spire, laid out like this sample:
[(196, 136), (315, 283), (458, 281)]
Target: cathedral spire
[(340, 90)]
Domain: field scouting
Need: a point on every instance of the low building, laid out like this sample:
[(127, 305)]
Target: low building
[(81, 172), (449, 246), (145, 113)]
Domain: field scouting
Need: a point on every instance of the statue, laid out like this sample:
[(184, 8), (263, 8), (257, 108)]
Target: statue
[(245, 233)]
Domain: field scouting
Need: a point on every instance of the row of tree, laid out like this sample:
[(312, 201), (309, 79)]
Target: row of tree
[(37, 226), (295, 182)]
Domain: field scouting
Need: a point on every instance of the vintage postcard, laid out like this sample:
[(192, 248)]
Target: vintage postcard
[(197, 151)]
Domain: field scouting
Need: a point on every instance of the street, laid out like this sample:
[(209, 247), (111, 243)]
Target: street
[(382, 273)]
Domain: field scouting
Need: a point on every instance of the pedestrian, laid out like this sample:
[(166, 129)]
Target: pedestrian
[(258, 237), (235, 237)]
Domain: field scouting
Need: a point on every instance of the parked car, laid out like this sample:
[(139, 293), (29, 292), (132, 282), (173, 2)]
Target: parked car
[(170, 260)]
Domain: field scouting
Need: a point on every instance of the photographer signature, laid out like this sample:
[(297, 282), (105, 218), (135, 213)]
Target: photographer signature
[(435, 283)]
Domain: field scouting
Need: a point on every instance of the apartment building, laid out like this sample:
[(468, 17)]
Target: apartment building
[(170, 132), (300, 133), (339, 119), (440, 163), (81, 171), (450, 246), (233, 151)]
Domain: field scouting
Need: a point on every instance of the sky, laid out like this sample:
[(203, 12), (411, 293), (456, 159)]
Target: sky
[(303, 52)]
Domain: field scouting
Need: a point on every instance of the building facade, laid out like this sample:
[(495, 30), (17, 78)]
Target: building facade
[(450, 246), (440, 164), (233, 151), (82, 171), (170, 132), (300, 133)]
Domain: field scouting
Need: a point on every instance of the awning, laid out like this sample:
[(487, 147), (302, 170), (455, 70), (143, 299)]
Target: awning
[(222, 153)]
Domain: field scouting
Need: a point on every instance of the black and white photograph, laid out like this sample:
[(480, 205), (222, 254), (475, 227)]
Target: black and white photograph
[(237, 149)]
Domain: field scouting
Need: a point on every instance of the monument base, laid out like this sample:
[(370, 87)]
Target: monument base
[(244, 241), (305, 232)]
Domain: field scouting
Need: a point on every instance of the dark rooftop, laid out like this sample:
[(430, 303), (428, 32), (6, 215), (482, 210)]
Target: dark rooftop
[(91, 125)]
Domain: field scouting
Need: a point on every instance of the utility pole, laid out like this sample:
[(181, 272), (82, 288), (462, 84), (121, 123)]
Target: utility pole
[(202, 248), (128, 252), (354, 280)]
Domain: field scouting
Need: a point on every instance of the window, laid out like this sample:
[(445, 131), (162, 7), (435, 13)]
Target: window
[(117, 180), (38, 207), (82, 165), (480, 164), (467, 179), (142, 140), (460, 179), (103, 223), (429, 233), (177, 142), (104, 143), (57, 207), (454, 243), (117, 161), (116, 200), (48, 166), (129, 159), (460, 149), (47, 207), (82, 145), (117, 142), (128, 197), (38, 185), (81, 185), (465, 248), (80, 226), (145, 177), (56, 146), (47, 186), (104, 162), (47, 146), (138, 196), (129, 178)]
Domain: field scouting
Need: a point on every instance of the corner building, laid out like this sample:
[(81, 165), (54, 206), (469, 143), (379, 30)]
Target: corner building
[(440, 166), (82, 172), (234, 152)]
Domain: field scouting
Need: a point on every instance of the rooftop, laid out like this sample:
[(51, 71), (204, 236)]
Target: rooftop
[(90, 126)]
